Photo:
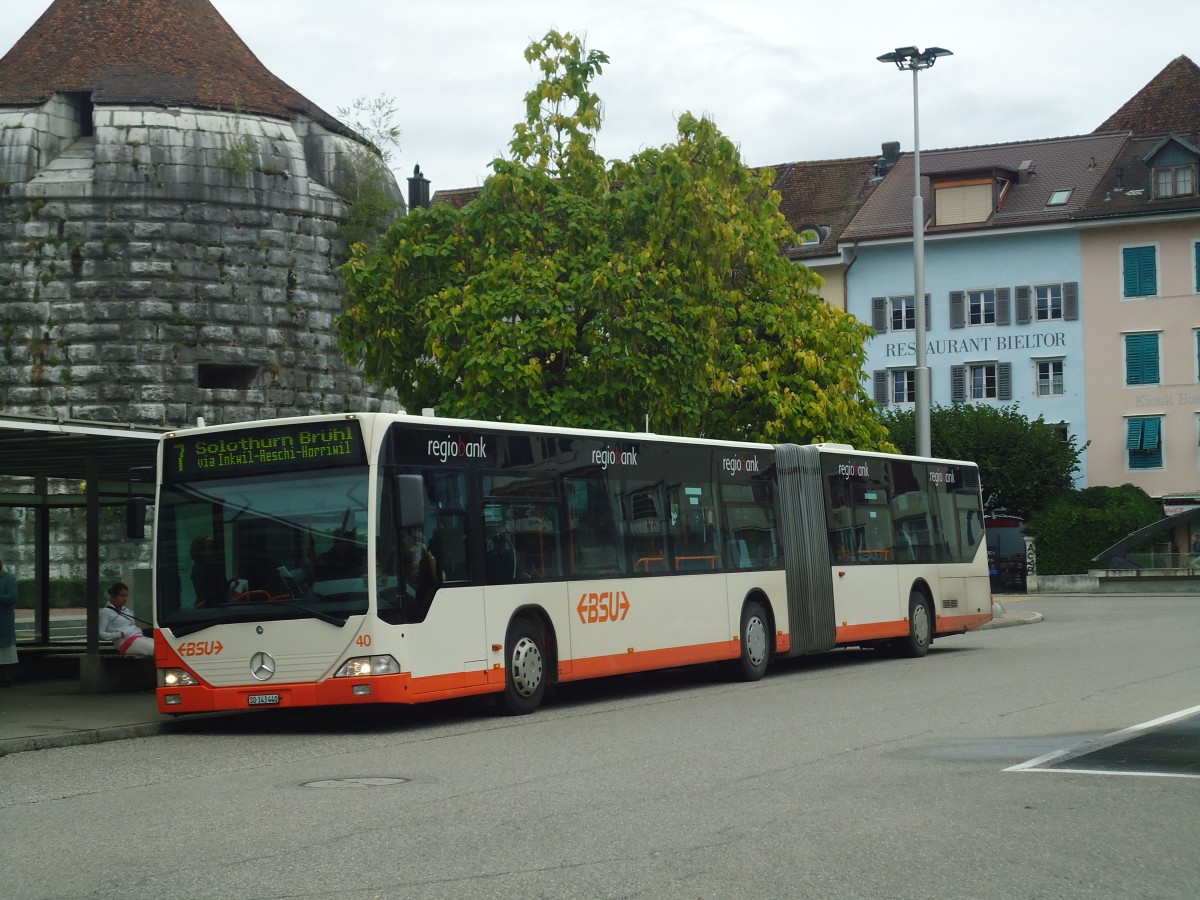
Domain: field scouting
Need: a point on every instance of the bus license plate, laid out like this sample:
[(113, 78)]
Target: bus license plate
[(264, 699)]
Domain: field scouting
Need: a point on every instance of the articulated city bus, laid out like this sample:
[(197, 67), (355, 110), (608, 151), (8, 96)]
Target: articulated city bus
[(381, 558)]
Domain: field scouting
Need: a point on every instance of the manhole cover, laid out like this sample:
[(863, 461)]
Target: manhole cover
[(372, 781)]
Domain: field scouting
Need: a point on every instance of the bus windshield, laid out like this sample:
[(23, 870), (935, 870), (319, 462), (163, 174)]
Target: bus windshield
[(275, 546)]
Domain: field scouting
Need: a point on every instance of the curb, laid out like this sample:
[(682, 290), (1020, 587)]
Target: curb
[(79, 738), (1010, 621)]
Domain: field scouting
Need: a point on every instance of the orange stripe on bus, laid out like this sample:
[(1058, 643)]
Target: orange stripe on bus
[(874, 631), (645, 660)]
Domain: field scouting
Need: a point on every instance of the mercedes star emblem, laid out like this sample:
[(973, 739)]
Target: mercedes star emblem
[(262, 666)]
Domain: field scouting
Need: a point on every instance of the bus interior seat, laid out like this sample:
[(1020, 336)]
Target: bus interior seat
[(501, 559)]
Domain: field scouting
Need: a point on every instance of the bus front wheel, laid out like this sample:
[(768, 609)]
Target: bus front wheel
[(920, 627), (525, 664), (755, 639)]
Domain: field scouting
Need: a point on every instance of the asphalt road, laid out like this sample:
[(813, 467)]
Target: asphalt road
[(844, 775)]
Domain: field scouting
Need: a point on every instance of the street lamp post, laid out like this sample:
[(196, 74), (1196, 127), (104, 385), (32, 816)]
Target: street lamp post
[(916, 60)]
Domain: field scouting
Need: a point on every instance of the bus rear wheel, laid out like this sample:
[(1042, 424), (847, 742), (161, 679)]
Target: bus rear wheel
[(755, 639), (920, 627), (525, 665)]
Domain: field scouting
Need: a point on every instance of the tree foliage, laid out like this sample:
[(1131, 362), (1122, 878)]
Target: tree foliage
[(1024, 464), (366, 182), (580, 292), (1076, 526)]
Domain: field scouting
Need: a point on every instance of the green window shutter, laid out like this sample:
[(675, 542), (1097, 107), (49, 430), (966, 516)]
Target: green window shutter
[(1197, 249), (1133, 437), (1150, 433), (1141, 359), (1140, 271)]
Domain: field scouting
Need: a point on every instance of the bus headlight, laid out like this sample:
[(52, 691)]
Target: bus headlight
[(361, 666), (175, 678)]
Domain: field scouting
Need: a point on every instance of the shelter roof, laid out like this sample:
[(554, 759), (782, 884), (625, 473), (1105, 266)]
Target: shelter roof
[(154, 52), (33, 447)]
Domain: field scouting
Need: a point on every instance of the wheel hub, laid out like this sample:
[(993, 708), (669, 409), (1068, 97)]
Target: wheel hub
[(526, 667)]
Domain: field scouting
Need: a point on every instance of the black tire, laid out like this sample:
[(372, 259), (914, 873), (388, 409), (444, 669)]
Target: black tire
[(920, 627), (754, 635), (525, 663)]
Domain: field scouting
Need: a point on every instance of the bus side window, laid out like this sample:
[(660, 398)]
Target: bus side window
[(521, 518), (594, 544)]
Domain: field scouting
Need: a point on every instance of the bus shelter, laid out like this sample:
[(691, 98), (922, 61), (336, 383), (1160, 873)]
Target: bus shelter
[(111, 466)]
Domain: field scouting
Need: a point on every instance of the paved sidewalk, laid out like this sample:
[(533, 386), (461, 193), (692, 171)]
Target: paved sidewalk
[(40, 715)]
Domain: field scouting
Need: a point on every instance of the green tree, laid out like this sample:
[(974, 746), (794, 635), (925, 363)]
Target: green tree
[(1023, 463), (1077, 525), (582, 293)]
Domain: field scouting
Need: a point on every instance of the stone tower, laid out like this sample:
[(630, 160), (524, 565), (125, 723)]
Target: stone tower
[(169, 224)]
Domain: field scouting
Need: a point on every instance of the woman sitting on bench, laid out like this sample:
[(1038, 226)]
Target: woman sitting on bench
[(117, 625)]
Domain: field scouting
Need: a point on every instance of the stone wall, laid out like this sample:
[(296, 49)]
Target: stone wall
[(174, 264), (161, 265)]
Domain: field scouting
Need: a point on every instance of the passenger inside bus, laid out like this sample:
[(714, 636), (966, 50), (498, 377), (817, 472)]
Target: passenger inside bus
[(420, 573), (208, 573), (345, 558)]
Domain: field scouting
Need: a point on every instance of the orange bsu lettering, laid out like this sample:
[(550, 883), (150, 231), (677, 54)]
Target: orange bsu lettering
[(200, 648), (609, 606)]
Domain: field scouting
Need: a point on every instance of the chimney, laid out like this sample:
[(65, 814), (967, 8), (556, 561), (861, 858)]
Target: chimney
[(891, 152), (1025, 171), (418, 189)]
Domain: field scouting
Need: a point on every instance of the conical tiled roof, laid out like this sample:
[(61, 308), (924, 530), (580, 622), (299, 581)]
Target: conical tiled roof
[(158, 52), (1169, 103)]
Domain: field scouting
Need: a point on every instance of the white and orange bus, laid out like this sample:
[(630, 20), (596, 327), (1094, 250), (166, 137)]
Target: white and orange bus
[(380, 558)]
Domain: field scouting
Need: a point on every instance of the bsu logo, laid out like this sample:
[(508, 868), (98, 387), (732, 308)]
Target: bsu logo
[(609, 606)]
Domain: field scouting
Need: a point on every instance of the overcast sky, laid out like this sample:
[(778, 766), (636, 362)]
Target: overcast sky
[(786, 81)]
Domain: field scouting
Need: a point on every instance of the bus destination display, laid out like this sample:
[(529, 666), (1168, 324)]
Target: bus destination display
[(261, 451)]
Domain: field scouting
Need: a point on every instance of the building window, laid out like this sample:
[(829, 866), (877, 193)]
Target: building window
[(981, 307), (960, 204), (1144, 442), (903, 313), (895, 386), (1048, 302), (1139, 271), (981, 381), (896, 313), (1059, 198), (1174, 181), (1050, 378), (1141, 359)]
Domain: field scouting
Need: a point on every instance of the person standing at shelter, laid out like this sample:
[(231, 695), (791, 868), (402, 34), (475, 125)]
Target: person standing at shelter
[(8, 624), (118, 625)]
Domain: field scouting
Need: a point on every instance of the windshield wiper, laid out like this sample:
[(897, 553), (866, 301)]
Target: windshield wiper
[(315, 613), (183, 629)]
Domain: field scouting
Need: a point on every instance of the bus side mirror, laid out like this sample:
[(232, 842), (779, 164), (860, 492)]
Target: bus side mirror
[(409, 491), (135, 518)]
